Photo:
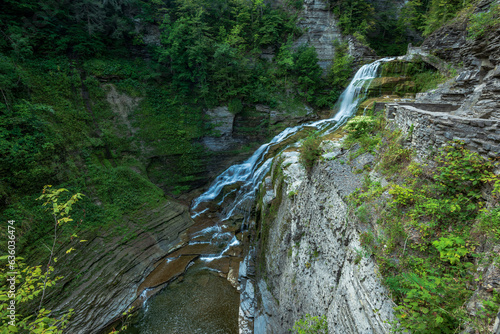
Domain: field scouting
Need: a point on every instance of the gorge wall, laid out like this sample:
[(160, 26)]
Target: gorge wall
[(110, 268), (320, 30), (311, 261)]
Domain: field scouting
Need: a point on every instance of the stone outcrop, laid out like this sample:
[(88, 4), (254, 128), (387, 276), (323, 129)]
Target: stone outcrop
[(222, 121), (451, 43), (320, 30), (311, 260), (110, 269), (122, 105), (287, 117), (477, 87), (360, 52)]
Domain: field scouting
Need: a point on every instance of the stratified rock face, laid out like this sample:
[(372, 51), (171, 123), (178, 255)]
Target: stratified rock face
[(320, 30), (222, 121), (107, 271), (361, 53), (313, 258), (477, 88)]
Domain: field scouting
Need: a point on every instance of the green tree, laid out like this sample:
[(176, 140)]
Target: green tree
[(354, 15), (340, 71), (22, 284), (29, 283), (307, 71), (186, 46)]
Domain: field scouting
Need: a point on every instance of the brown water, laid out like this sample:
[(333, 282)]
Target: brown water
[(202, 303)]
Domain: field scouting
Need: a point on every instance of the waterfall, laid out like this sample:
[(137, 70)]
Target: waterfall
[(251, 172), (216, 242)]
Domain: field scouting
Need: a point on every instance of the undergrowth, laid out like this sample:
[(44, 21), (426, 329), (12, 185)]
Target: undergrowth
[(431, 219)]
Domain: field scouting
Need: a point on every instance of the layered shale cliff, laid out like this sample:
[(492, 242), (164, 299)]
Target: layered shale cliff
[(310, 259)]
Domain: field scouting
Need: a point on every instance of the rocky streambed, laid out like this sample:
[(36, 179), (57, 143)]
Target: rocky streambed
[(198, 279)]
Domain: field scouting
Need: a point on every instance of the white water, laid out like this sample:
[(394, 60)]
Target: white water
[(251, 172)]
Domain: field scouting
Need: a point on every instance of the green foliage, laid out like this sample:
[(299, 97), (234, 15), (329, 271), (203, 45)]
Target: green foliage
[(235, 106), (442, 11), (353, 15), (213, 50), (310, 151), (428, 80), (26, 142), (430, 301), (461, 171), (360, 126), (340, 71), (394, 156), (389, 35), (451, 249), (135, 190), (82, 27), (402, 196), (489, 223), (480, 23), (413, 14), (297, 4), (311, 325), (363, 130), (424, 76), (307, 71), (363, 214), (427, 225), (30, 282)]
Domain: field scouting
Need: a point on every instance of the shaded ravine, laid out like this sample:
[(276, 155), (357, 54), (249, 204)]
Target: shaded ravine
[(201, 278)]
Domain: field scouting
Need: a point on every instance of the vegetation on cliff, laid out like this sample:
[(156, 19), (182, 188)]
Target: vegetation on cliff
[(427, 229)]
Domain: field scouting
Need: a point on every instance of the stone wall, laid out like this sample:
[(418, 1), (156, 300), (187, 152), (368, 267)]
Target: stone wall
[(428, 130)]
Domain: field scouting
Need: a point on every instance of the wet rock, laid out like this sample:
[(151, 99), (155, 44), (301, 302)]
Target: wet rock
[(293, 171), (196, 249), (388, 85), (269, 194), (247, 297), (106, 273), (165, 271), (232, 276)]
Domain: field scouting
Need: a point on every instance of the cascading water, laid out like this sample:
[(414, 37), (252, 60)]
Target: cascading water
[(251, 172), (214, 240)]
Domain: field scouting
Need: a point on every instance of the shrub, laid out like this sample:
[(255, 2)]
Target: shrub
[(360, 126), (310, 151), (480, 23), (311, 325), (461, 171), (451, 249), (489, 223)]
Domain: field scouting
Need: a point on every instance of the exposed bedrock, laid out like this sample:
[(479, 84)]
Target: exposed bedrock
[(310, 259)]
